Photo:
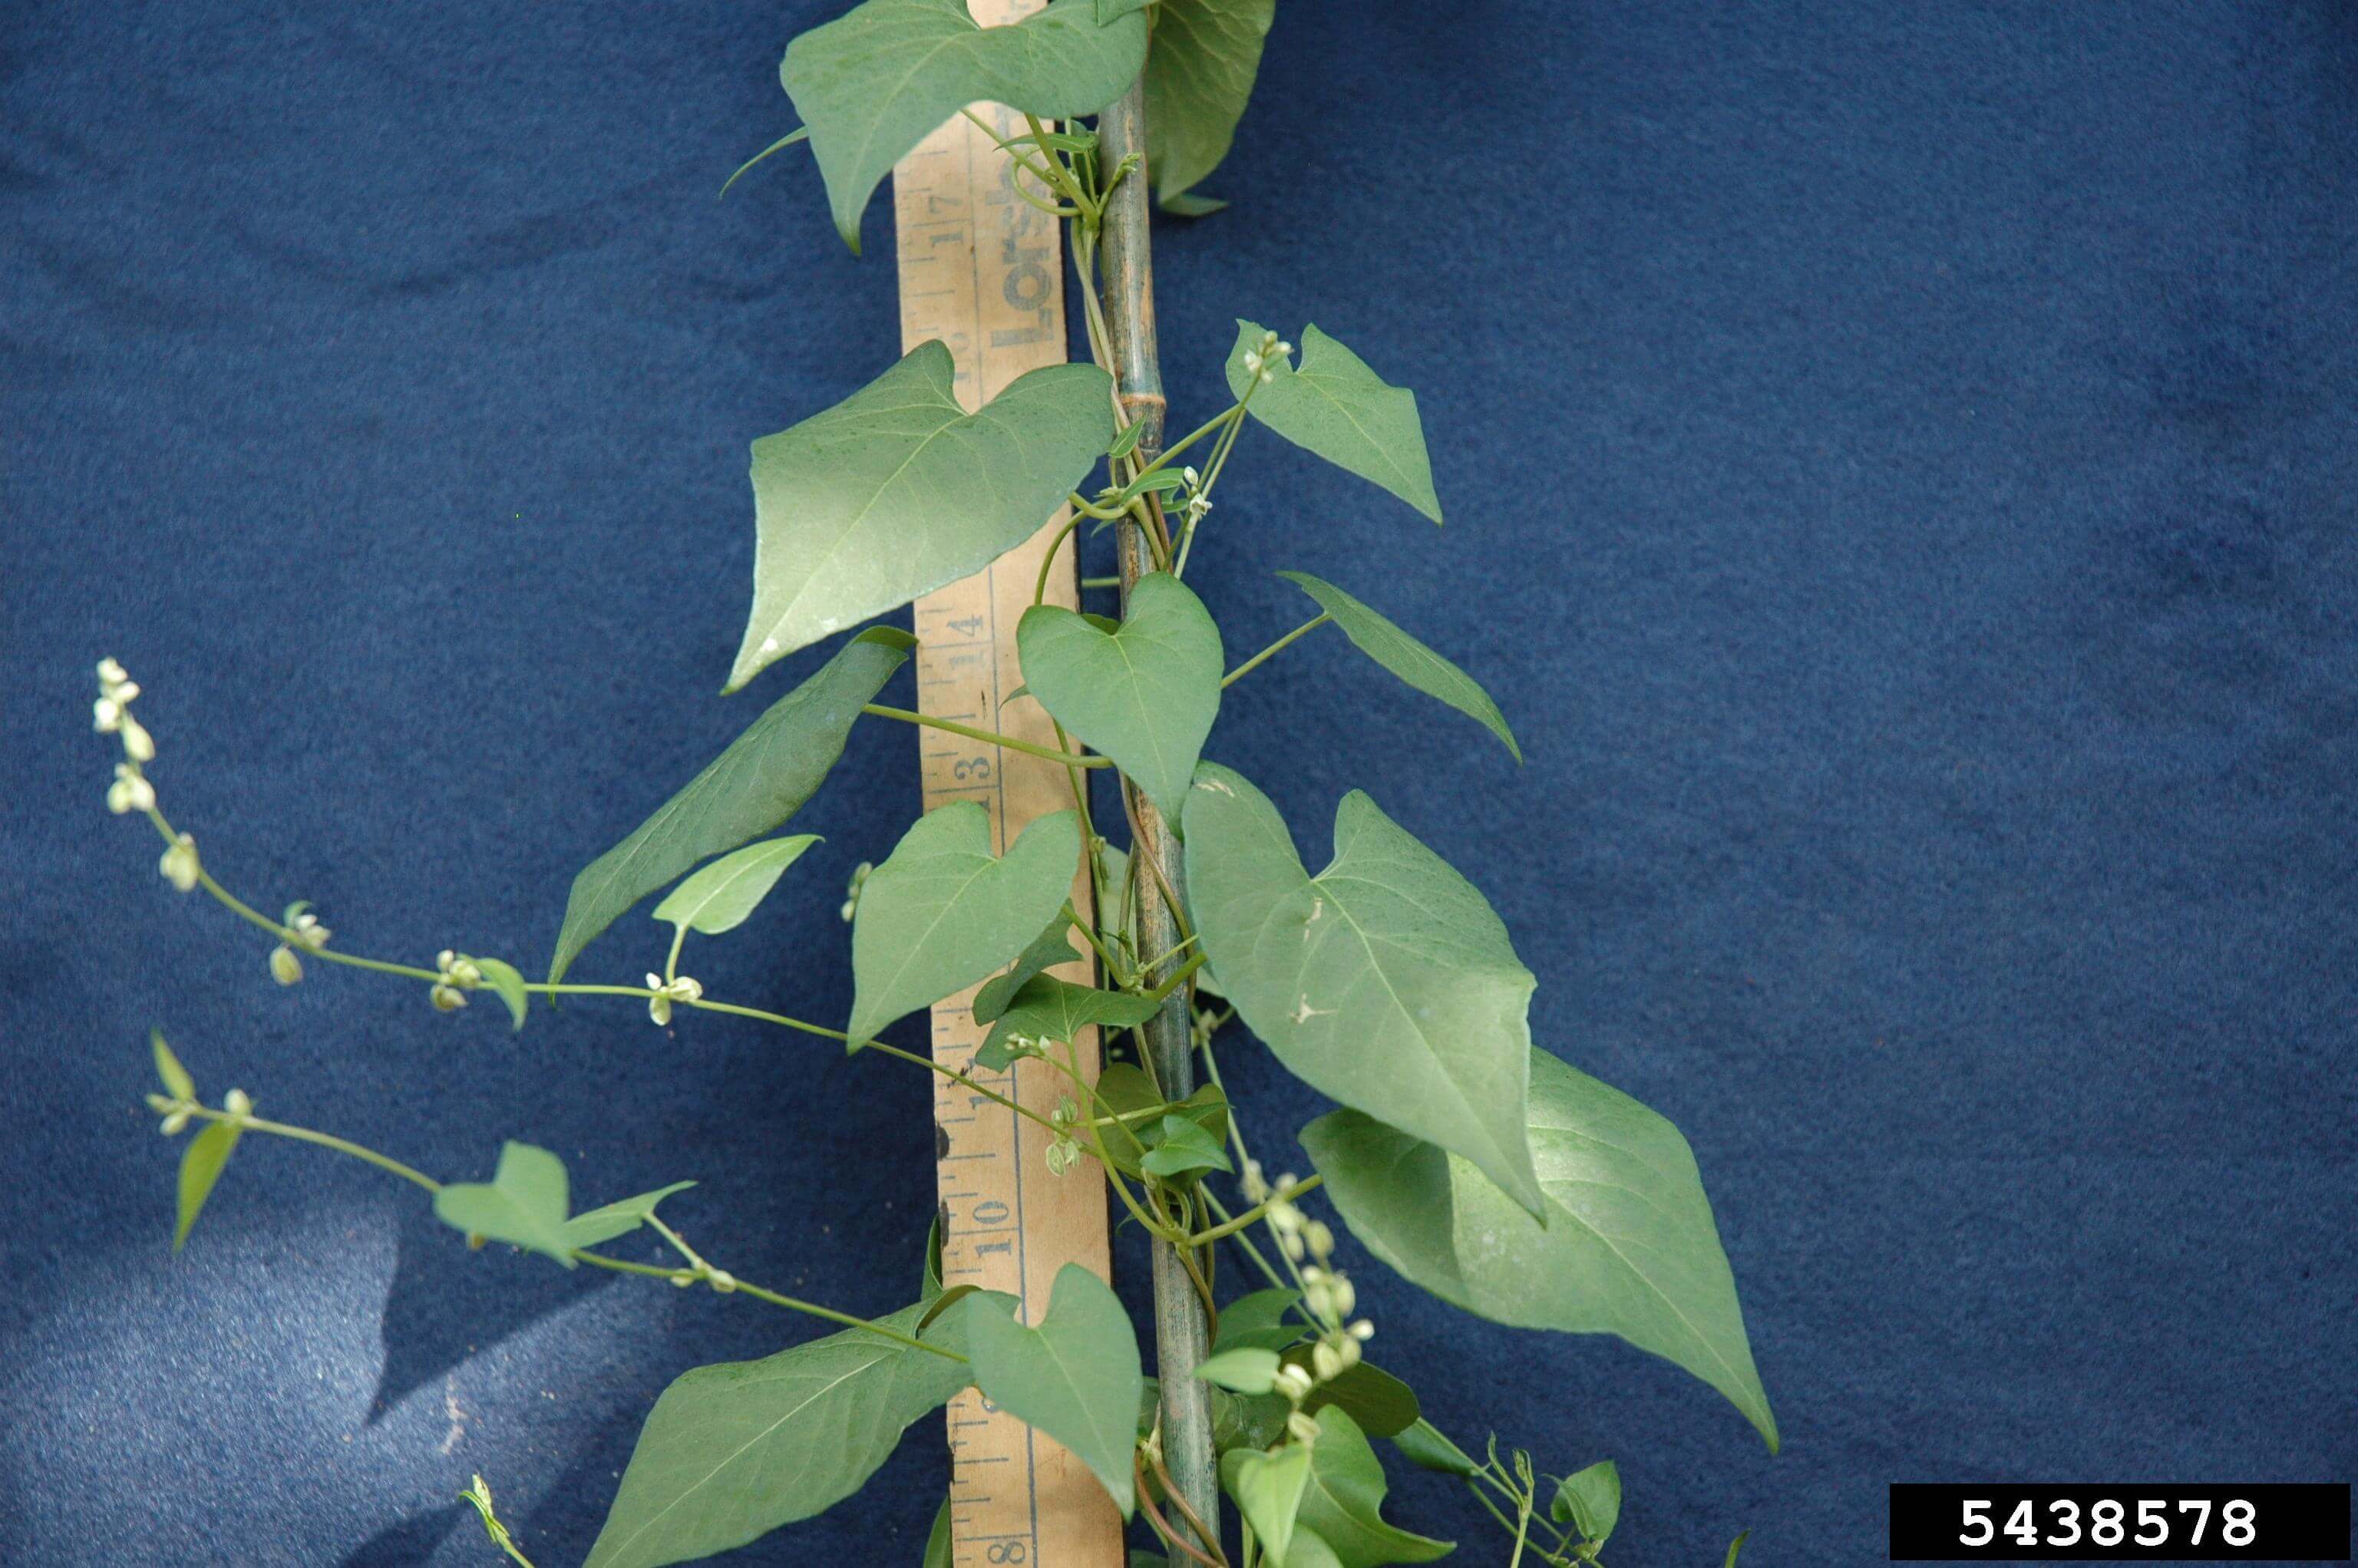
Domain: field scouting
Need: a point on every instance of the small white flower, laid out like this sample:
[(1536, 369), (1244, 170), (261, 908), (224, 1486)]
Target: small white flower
[(447, 999), (1349, 1349), (285, 966), (458, 972), (1361, 1331), (238, 1104), (668, 993), (720, 1279), (1293, 1382), (1326, 1362), (1340, 1297), (1321, 1239), (1193, 479), (174, 1123), (1304, 1429), (130, 791), (179, 863), (304, 930), (1253, 362), (111, 714)]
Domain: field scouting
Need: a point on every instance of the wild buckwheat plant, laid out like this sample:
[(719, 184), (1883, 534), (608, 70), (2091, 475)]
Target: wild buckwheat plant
[(1470, 1163)]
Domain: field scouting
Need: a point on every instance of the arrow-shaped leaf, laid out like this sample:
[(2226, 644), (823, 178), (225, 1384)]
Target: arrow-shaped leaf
[(1268, 1489), (898, 489), (760, 781), (732, 1451), (1332, 406), (524, 1203), (1050, 1009), (944, 912), (1385, 981), (1630, 1246), (876, 81), (1050, 948), (1344, 1501), (1075, 1377), (1145, 695)]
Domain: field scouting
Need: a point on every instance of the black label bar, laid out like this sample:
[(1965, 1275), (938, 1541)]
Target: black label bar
[(2123, 1523)]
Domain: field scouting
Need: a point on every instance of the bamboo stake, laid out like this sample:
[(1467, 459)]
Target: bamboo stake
[(1129, 291)]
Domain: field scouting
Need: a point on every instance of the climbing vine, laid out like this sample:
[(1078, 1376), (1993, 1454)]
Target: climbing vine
[(1472, 1163)]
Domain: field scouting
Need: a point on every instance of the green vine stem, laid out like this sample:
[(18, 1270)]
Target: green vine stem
[(1182, 1336), (725, 1284)]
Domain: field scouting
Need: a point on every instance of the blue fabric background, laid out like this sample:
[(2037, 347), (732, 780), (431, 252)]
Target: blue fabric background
[(1900, 467)]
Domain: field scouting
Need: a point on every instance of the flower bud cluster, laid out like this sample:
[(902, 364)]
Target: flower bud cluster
[(1327, 1294), (667, 992), (1065, 1152), (1262, 362), (851, 890), (111, 714), (304, 933), (1196, 502), (459, 976)]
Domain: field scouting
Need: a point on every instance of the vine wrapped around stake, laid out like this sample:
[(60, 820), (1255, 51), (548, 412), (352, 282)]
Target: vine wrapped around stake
[(1471, 1161)]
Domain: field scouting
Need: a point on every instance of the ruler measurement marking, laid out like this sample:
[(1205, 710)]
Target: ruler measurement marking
[(1001, 315)]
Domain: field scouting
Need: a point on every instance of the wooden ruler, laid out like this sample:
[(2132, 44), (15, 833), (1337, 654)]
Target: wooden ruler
[(981, 271)]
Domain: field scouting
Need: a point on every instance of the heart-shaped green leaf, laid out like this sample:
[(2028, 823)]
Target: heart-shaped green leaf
[(944, 912), (1075, 1377), (1630, 1246), (1050, 1009), (1333, 406), (523, 1204), (1406, 657), (1343, 1504), (1050, 948), (1184, 1148), (1145, 696), (614, 1219), (760, 781), (719, 896), (1590, 1501), (1199, 77), (897, 491), (732, 1451), (1385, 981), (1268, 1489), (201, 1167), (876, 81)]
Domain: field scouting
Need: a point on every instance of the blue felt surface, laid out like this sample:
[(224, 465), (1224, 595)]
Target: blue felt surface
[(1900, 475)]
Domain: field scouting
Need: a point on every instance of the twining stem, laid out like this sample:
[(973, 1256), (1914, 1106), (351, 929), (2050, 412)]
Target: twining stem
[(1122, 333), (1268, 653), (989, 737), (245, 911), (1254, 1215), (251, 1123)]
